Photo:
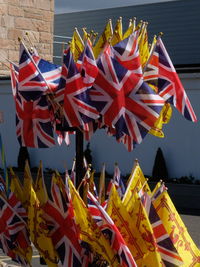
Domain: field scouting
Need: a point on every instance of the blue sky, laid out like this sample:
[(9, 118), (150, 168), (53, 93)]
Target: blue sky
[(68, 6)]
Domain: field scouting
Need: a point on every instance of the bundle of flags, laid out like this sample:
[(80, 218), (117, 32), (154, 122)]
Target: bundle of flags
[(130, 227), (117, 82)]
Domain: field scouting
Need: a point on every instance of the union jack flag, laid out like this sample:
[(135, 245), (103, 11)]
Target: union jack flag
[(124, 100), (36, 75), (87, 65), (168, 252), (109, 229), (117, 181), (78, 109), (127, 53), (33, 123), (60, 220), (14, 233), (169, 85), (14, 73)]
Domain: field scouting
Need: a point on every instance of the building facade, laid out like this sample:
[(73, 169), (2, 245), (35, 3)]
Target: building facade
[(18, 17)]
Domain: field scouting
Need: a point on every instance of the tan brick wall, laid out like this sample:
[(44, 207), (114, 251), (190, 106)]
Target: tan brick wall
[(18, 17)]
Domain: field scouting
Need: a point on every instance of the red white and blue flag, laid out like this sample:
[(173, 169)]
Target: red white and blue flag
[(33, 123), (124, 100), (78, 108), (60, 219), (168, 82), (36, 75), (14, 233), (127, 53), (109, 229), (166, 248)]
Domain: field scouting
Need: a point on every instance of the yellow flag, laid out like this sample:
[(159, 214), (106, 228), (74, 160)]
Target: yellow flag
[(130, 29), (89, 231), (135, 228), (27, 184), (177, 231), (156, 188), (77, 45), (102, 185), (164, 117), (143, 45), (16, 186), (39, 231), (127, 226), (40, 187), (118, 32), (136, 182), (107, 33)]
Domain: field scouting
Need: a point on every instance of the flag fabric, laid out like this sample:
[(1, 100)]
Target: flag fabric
[(127, 53), (169, 84), (118, 91), (118, 32), (104, 37), (130, 29), (144, 45), (60, 219), (33, 123), (168, 252), (14, 75), (40, 187), (137, 181), (108, 227), (76, 45), (117, 181), (136, 229), (14, 238), (39, 232), (176, 229), (165, 116), (31, 82), (87, 65), (16, 186), (88, 229), (77, 107), (33, 118)]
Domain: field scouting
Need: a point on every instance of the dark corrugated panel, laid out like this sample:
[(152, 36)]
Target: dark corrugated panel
[(178, 20)]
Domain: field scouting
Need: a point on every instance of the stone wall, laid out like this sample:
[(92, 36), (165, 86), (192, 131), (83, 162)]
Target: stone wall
[(18, 17)]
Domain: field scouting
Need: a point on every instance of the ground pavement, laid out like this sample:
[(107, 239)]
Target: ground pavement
[(191, 222)]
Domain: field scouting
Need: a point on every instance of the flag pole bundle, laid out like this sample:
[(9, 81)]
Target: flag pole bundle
[(116, 81), (129, 226)]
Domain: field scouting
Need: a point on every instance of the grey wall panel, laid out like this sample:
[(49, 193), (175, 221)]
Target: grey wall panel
[(179, 20)]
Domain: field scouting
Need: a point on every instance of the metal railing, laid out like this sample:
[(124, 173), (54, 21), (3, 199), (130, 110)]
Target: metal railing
[(58, 45)]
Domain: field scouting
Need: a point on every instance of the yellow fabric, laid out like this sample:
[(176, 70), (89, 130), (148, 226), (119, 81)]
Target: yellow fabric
[(16, 186), (177, 231), (39, 232), (135, 228), (102, 185), (136, 182), (118, 32), (28, 181), (130, 30), (17, 189), (107, 33), (156, 188), (163, 118), (77, 45), (143, 46), (40, 187), (89, 231)]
